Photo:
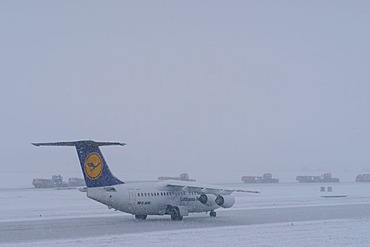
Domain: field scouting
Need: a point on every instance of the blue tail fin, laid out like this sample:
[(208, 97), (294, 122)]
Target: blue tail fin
[(94, 168)]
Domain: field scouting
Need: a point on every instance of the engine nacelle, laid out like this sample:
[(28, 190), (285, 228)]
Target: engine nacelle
[(225, 201), (207, 199)]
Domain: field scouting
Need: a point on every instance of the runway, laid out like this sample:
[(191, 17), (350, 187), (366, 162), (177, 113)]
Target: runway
[(85, 227)]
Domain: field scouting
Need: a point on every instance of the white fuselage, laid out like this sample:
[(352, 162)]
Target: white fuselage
[(148, 198)]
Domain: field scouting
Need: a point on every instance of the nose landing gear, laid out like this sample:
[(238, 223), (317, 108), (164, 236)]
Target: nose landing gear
[(212, 214)]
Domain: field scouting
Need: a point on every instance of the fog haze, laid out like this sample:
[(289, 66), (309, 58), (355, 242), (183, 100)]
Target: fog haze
[(209, 87)]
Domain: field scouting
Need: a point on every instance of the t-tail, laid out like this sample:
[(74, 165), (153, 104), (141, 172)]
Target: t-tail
[(94, 168)]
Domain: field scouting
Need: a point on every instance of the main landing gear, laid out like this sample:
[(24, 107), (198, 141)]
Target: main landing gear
[(141, 217), (212, 214), (174, 211), (175, 214)]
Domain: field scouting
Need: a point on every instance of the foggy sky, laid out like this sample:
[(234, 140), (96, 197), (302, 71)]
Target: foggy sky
[(196, 86)]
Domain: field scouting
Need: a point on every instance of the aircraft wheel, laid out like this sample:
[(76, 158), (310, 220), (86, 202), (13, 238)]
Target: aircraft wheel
[(212, 214), (141, 217), (174, 217), (176, 214)]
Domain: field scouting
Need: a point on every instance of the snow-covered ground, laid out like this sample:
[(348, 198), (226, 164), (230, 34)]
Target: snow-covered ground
[(351, 232), (50, 205)]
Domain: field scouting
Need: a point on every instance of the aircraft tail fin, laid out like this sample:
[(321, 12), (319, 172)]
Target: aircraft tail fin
[(94, 167)]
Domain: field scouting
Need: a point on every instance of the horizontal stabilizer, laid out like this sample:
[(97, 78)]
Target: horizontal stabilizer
[(92, 143)]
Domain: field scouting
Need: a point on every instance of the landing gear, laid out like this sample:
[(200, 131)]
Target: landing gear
[(175, 214), (212, 214), (141, 217)]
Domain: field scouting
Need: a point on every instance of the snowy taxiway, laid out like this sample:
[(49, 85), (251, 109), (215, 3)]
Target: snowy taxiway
[(282, 215)]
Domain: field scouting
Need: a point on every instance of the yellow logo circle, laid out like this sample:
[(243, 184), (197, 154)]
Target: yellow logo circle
[(93, 166)]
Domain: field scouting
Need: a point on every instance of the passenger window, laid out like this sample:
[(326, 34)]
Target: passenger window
[(138, 194)]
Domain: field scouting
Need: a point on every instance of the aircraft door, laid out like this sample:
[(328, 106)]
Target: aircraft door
[(132, 197)]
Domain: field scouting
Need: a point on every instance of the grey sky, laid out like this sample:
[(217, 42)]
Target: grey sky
[(244, 86)]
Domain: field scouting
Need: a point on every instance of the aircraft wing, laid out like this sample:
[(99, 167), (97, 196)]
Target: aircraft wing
[(202, 188)]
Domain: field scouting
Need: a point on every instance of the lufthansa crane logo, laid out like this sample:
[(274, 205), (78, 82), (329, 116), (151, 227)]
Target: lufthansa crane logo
[(93, 166)]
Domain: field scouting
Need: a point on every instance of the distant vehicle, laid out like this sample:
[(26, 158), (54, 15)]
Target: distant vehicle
[(76, 182), (266, 178), (43, 183), (171, 197), (364, 178), (325, 178), (183, 177), (57, 182)]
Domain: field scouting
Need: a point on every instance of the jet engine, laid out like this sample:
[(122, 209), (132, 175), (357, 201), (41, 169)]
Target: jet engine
[(225, 201), (207, 199)]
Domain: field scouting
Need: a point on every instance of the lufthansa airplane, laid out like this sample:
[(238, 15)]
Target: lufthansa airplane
[(174, 198)]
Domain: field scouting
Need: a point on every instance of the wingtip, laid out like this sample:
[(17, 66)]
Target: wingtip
[(256, 192), (249, 191)]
